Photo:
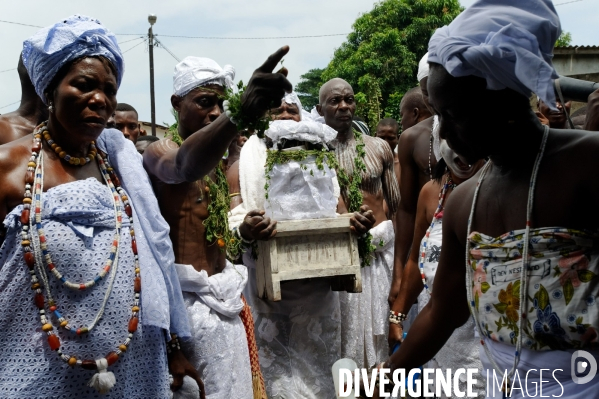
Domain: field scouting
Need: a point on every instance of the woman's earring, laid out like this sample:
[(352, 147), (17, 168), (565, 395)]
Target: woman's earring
[(51, 107)]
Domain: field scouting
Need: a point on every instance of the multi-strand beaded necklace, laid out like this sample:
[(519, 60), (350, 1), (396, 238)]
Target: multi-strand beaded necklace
[(36, 253), (448, 184)]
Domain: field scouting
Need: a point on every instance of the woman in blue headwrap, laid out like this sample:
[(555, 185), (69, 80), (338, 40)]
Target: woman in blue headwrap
[(87, 278), (88, 287)]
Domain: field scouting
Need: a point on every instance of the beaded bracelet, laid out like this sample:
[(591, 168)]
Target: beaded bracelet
[(238, 235), (173, 345), (397, 317)]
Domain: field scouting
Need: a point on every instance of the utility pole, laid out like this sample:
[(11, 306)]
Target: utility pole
[(152, 20)]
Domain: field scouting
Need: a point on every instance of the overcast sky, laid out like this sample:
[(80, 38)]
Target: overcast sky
[(225, 18)]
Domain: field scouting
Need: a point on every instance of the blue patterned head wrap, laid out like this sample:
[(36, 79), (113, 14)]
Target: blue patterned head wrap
[(509, 43), (46, 52)]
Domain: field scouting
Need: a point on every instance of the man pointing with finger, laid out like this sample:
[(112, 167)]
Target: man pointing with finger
[(196, 209)]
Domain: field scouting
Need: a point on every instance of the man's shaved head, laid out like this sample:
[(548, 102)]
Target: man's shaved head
[(326, 88), (337, 105), (413, 98), (412, 108)]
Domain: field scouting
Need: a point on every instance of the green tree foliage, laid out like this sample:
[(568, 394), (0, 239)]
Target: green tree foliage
[(307, 88), (380, 57), (564, 40)]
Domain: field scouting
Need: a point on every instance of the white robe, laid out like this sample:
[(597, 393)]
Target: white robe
[(218, 348), (298, 337), (364, 316)]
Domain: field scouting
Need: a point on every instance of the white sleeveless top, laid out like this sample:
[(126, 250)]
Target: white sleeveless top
[(461, 349)]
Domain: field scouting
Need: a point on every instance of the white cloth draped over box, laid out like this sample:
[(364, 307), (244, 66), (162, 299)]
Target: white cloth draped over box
[(218, 348), (299, 190), (78, 220), (298, 337), (364, 316)]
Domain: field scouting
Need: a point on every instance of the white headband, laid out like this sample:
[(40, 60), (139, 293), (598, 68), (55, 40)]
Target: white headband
[(193, 72)]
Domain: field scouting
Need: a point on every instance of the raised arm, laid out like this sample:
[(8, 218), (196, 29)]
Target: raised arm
[(411, 280), (234, 186), (202, 151), (198, 155), (405, 215)]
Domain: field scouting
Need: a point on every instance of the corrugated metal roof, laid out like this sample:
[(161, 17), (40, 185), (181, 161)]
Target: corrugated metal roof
[(576, 50)]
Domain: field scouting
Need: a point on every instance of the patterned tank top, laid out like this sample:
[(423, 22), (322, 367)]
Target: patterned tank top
[(562, 290)]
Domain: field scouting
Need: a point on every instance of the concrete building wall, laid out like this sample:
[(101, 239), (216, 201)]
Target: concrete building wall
[(577, 62)]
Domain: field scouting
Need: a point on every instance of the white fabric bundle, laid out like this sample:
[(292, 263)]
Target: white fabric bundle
[(298, 189), (315, 116), (305, 130), (423, 67), (193, 72)]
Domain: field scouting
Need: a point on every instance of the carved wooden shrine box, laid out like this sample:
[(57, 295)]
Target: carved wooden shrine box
[(309, 248)]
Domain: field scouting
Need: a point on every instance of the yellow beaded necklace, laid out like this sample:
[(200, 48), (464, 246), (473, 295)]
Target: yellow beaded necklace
[(91, 154)]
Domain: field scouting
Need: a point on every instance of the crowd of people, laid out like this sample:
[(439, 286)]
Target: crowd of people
[(129, 262)]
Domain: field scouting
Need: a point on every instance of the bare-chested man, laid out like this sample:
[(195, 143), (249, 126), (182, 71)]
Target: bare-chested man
[(417, 160), (388, 130), (30, 113), (413, 109), (212, 286), (363, 316)]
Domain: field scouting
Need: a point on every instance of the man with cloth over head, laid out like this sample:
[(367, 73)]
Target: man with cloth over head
[(520, 239), (299, 336)]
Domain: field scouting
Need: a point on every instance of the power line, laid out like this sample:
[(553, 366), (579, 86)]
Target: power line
[(8, 70), (130, 40), (221, 37), (567, 2), (18, 23), (160, 44), (16, 102), (257, 38), (131, 48)]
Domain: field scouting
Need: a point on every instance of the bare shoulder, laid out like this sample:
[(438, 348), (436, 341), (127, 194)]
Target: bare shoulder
[(573, 143), (161, 147), (7, 131), (458, 206), (430, 189), (14, 153), (13, 164), (378, 145), (415, 131), (156, 151)]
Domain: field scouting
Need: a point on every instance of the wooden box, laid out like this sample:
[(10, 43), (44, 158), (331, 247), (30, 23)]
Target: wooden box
[(309, 248)]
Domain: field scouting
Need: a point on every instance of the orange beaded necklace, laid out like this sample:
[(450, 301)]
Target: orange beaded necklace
[(36, 251)]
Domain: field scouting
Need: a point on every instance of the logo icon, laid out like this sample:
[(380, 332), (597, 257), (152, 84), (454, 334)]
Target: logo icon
[(582, 362)]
